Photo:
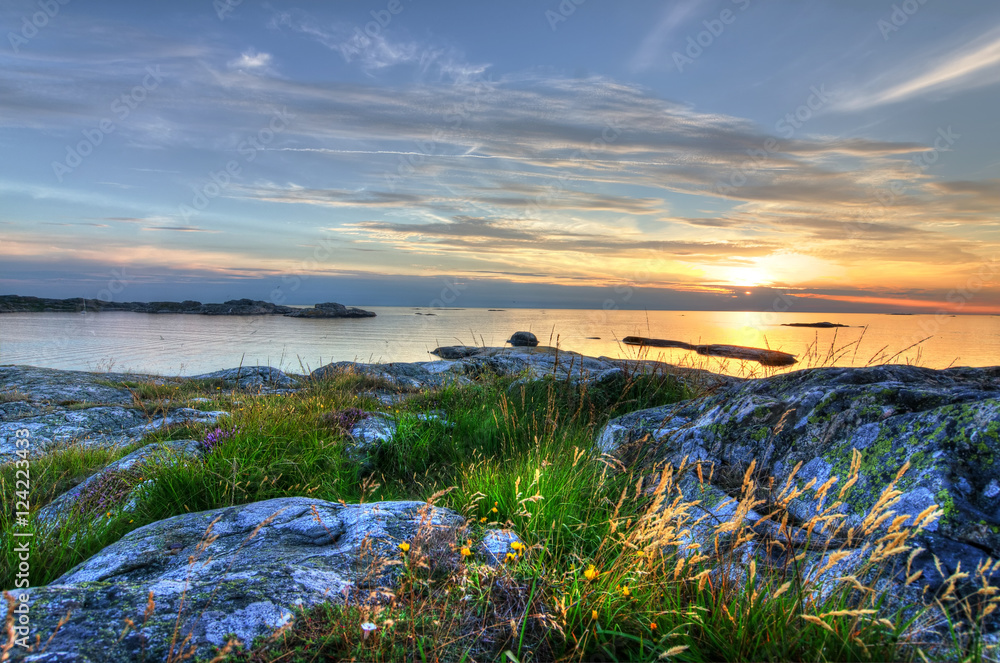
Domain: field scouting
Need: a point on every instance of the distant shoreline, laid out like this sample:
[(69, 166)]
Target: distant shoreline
[(244, 307)]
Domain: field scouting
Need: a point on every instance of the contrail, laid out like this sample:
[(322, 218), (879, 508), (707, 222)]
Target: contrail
[(323, 150)]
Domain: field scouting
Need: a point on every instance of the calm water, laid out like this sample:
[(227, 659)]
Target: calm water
[(192, 344)]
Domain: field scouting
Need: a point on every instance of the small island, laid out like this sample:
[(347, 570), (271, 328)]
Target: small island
[(20, 304)]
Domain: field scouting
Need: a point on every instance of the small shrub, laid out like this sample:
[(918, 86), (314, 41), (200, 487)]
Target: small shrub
[(109, 490), (344, 420)]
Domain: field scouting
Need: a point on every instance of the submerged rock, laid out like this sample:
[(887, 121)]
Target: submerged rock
[(240, 570), (456, 351)]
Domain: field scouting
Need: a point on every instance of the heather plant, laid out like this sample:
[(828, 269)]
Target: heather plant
[(110, 490), (216, 437), (343, 420)]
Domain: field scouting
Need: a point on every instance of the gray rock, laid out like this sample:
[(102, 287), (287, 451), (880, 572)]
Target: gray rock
[(156, 454), (496, 544), (256, 378), (59, 408), (464, 364), (48, 385), (401, 376), (456, 351), (261, 561), (523, 338), (946, 424), (367, 436), (102, 426)]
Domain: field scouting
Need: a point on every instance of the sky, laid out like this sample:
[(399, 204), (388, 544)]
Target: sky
[(806, 155)]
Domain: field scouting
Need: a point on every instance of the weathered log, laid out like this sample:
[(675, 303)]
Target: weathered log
[(760, 355)]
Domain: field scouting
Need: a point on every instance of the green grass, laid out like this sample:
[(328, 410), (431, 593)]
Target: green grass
[(509, 454)]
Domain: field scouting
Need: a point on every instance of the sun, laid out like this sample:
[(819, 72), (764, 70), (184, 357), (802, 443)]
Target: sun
[(746, 277)]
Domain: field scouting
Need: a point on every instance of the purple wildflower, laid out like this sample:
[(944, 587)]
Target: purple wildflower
[(217, 437), (344, 420), (109, 490)]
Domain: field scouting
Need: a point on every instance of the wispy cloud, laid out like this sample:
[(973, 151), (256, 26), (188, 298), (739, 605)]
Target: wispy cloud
[(651, 51), (971, 65), (375, 51)]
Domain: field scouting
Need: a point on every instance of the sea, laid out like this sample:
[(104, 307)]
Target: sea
[(184, 345)]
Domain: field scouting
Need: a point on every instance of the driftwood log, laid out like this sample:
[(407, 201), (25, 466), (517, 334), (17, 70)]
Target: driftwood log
[(764, 357)]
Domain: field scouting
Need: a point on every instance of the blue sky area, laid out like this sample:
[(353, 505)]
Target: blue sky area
[(696, 154)]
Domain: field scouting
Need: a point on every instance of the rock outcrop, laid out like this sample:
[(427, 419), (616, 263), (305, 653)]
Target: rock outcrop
[(463, 364), (99, 426), (240, 570), (262, 379), (945, 424), (59, 408)]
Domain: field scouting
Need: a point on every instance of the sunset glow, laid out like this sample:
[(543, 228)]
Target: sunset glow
[(277, 147)]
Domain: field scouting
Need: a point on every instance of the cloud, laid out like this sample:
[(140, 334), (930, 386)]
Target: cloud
[(971, 65), (251, 61), (571, 176), (375, 51), (650, 51), (183, 229)]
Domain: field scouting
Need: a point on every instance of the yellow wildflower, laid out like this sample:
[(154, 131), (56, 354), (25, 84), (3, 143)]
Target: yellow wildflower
[(626, 591), (517, 545), (593, 615), (466, 551), (404, 546), (590, 573)]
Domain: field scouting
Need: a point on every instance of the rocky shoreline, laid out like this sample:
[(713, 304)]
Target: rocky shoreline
[(20, 304), (804, 430)]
